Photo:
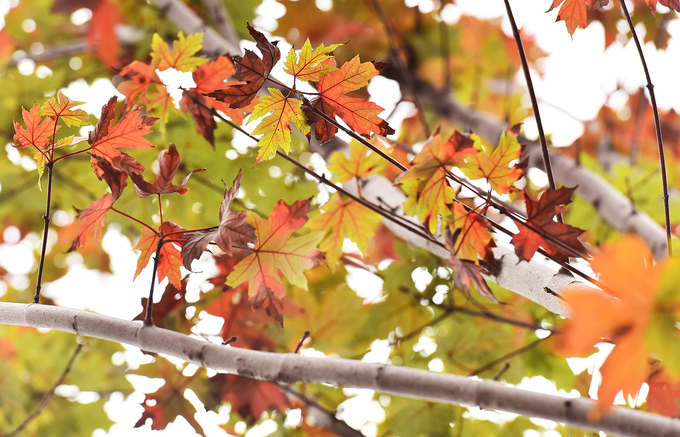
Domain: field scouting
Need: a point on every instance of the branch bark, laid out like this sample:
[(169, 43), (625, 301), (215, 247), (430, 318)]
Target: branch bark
[(291, 368)]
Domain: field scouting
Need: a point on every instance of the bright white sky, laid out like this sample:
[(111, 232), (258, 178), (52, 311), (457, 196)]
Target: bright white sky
[(578, 76)]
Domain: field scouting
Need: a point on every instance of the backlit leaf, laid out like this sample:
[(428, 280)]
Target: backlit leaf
[(495, 167), (181, 57), (62, 107), (361, 163), (309, 64)]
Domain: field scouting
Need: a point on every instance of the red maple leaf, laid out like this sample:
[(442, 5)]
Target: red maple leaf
[(95, 214), (139, 76), (167, 313), (249, 397), (102, 34), (168, 164), (233, 229), (361, 115), (169, 258), (106, 139), (252, 70), (541, 216)]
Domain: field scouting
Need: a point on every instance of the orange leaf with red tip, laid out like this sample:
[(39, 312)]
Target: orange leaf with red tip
[(277, 254), (169, 258), (540, 216), (426, 185), (495, 167), (361, 115), (139, 76)]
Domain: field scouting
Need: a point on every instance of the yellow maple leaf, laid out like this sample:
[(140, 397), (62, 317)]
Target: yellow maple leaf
[(361, 163), (344, 219), (310, 64), (62, 107), (275, 127), (181, 57), (495, 167)]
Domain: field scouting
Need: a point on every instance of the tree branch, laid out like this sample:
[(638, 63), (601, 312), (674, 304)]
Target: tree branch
[(290, 368)]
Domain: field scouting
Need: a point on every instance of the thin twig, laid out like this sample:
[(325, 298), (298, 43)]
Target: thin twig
[(46, 218), (657, 127), (509, 355), (302, 340), (403, 69), (534, 102), (48, 396)]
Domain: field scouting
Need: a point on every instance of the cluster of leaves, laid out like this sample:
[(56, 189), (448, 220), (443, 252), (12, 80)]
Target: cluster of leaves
[(268, 265)]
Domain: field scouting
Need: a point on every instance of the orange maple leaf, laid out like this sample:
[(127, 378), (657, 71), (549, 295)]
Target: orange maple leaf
[(139, 76), (169, 258), (344, 219), (494, 167), (361, 115), (38, 130), (102, 33), (627, 267), (426, 185), (106, 139), (471, 235), (540, 216), (276, 253), (181, 57)]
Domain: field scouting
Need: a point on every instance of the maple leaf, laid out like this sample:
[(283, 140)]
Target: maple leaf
[(664, 393), (628, 268), (310, 64), (139, 76), (495, 167), (182, 55), (252, 70), (426, 184), (62, 107), (102, 34), (276, 126), (466, 272), (233, 229), (169, 258), (344, 219), (38, 130), (361, 163), (472, 232), (94, 216), (540, 215), (106, 139), (211, 76), (167, 313), (361, 115), (276, 253), (249, 397), (168, 163)]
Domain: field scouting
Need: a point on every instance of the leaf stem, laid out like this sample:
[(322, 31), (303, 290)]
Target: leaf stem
[(657, 127), (148, 319), (534, 102), (133, 219)]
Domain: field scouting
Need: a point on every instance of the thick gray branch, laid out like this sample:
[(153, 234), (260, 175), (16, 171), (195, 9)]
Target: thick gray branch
[(290, 368)]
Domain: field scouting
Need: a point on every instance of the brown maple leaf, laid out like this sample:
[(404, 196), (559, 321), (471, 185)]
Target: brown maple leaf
[(233, 229), (168, 163), (252, 70), (541, 216), (466, 272)]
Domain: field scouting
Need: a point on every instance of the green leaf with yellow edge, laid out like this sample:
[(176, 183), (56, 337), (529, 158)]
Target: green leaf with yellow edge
[(361, 163), (310, 64), (344, 219), (495, 167), (426, 185), (40, 158), (62, 107), (275, 127), (182, 55)]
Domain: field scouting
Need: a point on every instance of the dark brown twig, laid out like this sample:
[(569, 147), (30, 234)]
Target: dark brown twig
[(148, 319), (534, 102), (302, 340), (657, 127), (48, 396), (509, 355)]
